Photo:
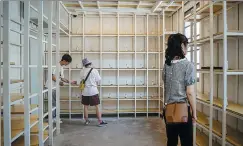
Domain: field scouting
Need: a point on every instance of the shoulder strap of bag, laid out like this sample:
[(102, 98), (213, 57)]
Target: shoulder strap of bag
[(88, 74), (164, 81)]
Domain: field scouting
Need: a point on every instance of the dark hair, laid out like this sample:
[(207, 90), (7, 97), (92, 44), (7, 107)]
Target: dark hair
[(67, 58), (174, 47), (88, 64)]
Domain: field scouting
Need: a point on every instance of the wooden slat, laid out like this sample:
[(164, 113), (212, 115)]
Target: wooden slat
[(17, 122), (33, 140), (35, 129), (232, 107), (233, 136), (112, 110), (72, 5), (11, 63), (13, 81), (19, 108), (203, 139), (14, 97), (17, 125), (64, 98)]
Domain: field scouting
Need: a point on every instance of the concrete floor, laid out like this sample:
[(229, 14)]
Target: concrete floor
[(122, 132)]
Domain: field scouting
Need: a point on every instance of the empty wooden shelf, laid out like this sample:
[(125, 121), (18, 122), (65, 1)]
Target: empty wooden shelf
[(13, 81), (19, 108), (217, 102), (233, 136), (14, 97), (34, 140), (203, 140)]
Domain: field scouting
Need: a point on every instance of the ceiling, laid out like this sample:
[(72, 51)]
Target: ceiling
[(123, 6)]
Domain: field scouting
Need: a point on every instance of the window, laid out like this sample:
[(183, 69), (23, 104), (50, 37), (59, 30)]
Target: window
[(190, 53)]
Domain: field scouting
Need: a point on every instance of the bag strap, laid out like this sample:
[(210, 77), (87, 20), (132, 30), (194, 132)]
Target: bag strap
[(164, 82), (88, 75)]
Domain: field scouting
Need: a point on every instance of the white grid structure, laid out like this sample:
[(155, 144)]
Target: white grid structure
[(22, 106), (80, 31), (216, 128), (124, 96)]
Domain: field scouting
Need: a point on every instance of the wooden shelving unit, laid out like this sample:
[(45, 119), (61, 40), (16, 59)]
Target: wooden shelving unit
[(21, 70), (215, 95), (114, 55), (233, 136)]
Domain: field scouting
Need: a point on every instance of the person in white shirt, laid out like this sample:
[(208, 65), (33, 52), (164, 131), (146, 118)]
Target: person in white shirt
[(90, 94), (66, 60)]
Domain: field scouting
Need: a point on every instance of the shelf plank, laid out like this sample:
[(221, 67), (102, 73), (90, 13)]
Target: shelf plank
[(13, 81), (142, 110), (203, 139), (35, 129), (10, 63), (233, 136), (232, 107), (19, 108), (14, 97), (204, 11), (17, 122), (34, 140), (109, 98), (17, 125)]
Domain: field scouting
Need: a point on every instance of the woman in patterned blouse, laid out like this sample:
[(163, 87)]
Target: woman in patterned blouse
[(179, 79)]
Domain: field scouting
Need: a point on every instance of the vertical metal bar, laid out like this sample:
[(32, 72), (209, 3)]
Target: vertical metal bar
[(135, 59), (191, 35), (182, 18), (21, 71), (147, 48), (195, 61), (40, 71), (50, 73), (163, 49), (83, 47), (57, 66), (211, 76), (237, 90), (159, 91), (1, 7), (118, 65), (26, 74), (225, 68), (69, 71), (6, 74), (101, 50), (178, 21)]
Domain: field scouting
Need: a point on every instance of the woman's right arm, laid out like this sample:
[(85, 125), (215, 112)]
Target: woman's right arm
[(191, 97), (190, 80)]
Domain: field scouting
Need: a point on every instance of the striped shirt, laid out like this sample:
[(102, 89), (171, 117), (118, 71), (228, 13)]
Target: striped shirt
[(176, 78)]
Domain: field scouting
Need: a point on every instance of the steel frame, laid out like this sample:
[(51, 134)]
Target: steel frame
[(40, 72), (227, 34), (6, 74)]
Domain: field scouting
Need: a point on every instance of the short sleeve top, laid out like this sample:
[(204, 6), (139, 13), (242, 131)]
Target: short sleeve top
[(91, 83), (176, 78)]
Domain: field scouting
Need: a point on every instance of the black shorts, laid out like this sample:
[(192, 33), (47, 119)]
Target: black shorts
[(91, 100)]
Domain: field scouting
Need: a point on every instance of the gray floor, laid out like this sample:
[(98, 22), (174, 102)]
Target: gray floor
[(122, 132)]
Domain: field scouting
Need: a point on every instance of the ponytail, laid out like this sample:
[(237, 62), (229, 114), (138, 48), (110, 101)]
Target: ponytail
[(174, 47)]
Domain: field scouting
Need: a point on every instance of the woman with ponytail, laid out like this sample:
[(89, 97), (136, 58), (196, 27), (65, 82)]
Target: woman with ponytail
[(179, 79)]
